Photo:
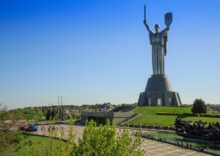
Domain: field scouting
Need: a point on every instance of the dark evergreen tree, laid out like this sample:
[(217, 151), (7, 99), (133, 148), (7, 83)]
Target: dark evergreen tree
[(48, 114), (53, 113), (199, 106)]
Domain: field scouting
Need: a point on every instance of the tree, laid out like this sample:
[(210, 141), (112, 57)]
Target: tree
[(53, 113), (103, 141), (8, 120), (48, 115), (199, 106)]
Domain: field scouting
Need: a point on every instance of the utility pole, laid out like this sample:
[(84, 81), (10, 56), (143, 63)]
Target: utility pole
[(60, 105)]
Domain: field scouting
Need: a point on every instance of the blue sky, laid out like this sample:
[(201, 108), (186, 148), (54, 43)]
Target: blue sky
[(95, 51)]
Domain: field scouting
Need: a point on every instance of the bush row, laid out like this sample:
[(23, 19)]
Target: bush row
[(211, 115), (190, 114), (149, 126), (177, 114), (167, 113)]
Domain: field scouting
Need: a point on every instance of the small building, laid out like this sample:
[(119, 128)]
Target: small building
[(102, 117), (106, 107)]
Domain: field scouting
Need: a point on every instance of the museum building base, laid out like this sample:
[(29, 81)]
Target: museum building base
[(159, 92)]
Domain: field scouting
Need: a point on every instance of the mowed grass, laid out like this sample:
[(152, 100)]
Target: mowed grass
[(154, 110), (159, 120), (204, 119), (148, 116), (35, 146)]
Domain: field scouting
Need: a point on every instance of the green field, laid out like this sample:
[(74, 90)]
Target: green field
[(148, 116), (160, 120), (204, 119), (35, 145), (154, 110)]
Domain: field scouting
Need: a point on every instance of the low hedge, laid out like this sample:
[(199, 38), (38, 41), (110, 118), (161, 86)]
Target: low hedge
[(190, 114), (149, 126), (210, 115), (167, 113), (176, 114)]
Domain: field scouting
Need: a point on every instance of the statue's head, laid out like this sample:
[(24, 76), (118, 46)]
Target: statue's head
[(157, 27)]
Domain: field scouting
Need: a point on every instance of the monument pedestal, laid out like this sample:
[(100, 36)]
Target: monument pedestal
[(159, 92)]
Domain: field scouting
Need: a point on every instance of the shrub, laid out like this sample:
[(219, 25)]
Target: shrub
[(18, 137), (188, 114), (199, 107), (103, 141)]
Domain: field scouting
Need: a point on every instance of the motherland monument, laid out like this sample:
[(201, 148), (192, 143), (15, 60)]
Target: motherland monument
[(159, 91)]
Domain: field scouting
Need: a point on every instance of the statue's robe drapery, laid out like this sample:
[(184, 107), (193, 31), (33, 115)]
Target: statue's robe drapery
[(158, 41)]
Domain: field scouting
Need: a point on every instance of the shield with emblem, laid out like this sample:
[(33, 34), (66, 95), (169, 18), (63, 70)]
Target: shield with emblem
[(168, 18)]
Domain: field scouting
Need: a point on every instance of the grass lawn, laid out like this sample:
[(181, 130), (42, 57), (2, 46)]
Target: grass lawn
[(35, 146), (148, 116), (161, 120), (204, 119), (154, 110)]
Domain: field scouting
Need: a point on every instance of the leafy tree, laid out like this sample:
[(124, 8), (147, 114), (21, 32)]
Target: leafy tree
[(27, 113), (199, 106), (74, 115), (48, 114), (124, 107), (53, 113), (103, 141), (7, 121)]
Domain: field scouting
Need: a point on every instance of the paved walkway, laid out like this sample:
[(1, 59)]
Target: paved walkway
[(151, 147), (155, 148)]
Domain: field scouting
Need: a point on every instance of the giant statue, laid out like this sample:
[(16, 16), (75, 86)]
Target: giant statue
[(159, 90), (158, 41)]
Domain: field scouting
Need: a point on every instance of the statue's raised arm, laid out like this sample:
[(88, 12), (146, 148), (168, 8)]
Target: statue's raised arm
[(165, 30), (145, 21), (147, 26), (168, 17)]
